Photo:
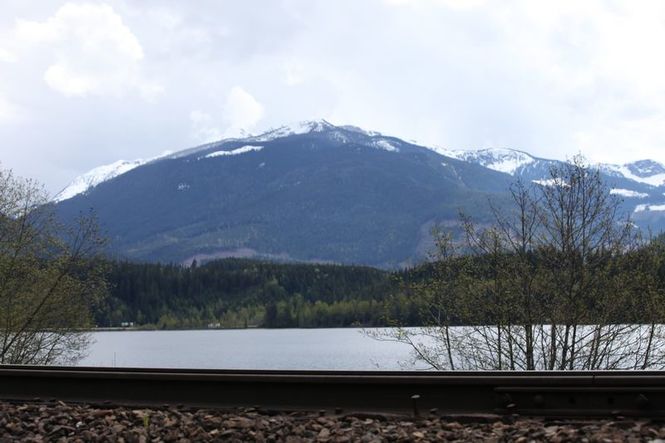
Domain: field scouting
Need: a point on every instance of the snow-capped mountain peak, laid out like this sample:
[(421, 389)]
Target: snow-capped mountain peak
[(646, 168), (642, 171), (304, 127), (358, 130), (92, 178), (83, 183), (636, 180), (500, 159), (343, 134)]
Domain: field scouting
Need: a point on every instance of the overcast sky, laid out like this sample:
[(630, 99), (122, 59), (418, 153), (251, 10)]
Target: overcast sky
[(84, 83)]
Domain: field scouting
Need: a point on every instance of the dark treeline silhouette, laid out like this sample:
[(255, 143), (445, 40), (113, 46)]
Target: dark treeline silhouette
[(247, 293), (238, 293)]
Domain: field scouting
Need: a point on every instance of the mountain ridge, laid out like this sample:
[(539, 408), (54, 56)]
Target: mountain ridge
[(506, 160), (315, 192)]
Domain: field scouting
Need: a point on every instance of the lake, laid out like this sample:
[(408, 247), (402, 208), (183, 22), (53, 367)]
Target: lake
[(342, 349)]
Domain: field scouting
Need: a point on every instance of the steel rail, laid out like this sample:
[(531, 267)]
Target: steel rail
[(566, 393)]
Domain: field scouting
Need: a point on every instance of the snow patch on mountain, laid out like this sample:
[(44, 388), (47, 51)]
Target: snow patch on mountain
[(339, 136), (552, 182), (647, 207), (304, 127), (631, 172), (645, 168), (237, 151), (501, 160), (545, 182), (385, 145), (361, 131), (628, 193), (96, 176)]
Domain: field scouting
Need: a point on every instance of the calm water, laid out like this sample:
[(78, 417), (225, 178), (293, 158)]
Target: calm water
[(247, 349)]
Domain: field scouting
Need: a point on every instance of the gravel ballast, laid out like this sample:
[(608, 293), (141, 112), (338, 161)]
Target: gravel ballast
[(58, 421)]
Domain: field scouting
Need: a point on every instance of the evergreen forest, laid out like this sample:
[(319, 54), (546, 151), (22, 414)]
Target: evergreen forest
[(239, 293)]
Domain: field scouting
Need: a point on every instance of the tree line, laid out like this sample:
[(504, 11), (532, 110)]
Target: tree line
[(453, 290), (236, 293)]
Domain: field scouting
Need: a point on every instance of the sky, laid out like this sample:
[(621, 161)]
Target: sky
[(86, 83)]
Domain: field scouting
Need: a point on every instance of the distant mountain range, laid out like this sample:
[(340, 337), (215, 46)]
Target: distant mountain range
[(317, 192), (640, 184)]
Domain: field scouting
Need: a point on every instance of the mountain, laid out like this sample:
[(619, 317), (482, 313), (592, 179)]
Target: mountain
[(309, 192), (642, 171), (509, 161), (314, 191), (640, 184)]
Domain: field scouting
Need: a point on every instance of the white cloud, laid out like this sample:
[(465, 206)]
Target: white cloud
[(8, 111), (204, 128), (92, 51), (452, 4), (242, 112), (294, 73), (68, 81), (600, 71), (7, 56)]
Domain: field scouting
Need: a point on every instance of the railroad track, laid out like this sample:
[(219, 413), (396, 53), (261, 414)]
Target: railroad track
[(525, 393)]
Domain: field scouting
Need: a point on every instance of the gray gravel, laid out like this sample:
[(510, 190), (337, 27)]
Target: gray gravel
[(58, 421)]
